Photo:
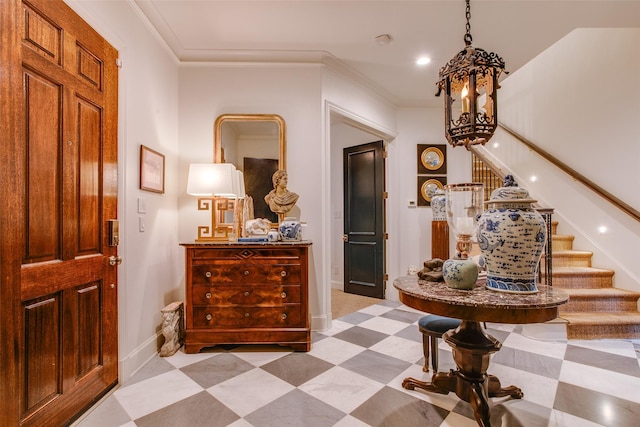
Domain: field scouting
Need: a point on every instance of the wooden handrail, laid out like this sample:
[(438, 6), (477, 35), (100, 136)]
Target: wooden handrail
[(576, 176), (494, 168)]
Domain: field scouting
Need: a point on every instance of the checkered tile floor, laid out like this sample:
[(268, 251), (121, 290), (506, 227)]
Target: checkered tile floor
[(352, 377)]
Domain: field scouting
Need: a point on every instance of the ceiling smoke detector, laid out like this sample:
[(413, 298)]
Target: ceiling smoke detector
[(383, 39)]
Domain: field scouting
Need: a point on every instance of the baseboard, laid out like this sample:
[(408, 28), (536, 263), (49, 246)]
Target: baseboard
[(321, 323), (135, 360)]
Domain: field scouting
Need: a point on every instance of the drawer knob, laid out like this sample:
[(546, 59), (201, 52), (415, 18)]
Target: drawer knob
[(208, 317), (284, 316), (208, 295), (283, 273), (246, 293), (207, 274), (246, 315), (246, 272), (283, 295)]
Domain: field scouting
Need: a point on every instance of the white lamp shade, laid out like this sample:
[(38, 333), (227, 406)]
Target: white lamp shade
[(211, 179), (238, 188)]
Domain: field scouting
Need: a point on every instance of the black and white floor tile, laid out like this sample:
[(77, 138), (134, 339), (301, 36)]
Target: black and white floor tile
[(353, 374)]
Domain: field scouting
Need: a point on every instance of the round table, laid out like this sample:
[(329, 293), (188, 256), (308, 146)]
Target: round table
[(472, 346)]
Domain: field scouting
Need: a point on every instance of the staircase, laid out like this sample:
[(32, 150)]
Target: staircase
[(595, 309)]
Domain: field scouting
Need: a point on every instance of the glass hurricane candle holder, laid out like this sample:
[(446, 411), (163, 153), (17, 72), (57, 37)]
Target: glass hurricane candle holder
[(464, 204)]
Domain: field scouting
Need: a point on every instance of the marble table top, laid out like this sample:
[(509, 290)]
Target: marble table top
[(480, 303)]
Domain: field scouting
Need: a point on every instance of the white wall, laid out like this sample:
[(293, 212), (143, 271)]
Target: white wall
[(411, 226), (579, 101), (293, 92), (149, 277)]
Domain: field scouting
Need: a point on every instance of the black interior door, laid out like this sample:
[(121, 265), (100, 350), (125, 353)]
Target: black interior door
[(364, 256)]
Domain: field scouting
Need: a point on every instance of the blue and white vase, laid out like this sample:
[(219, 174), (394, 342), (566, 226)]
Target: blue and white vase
[(289, 229), (511, 236), (439, 205)]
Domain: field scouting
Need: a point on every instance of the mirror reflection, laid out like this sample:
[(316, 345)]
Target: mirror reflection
[(255, 144)]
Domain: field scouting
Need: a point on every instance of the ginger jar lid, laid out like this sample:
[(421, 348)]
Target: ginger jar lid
[(510, 193)]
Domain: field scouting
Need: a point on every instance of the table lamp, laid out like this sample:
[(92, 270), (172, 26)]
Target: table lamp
[(212, 182)]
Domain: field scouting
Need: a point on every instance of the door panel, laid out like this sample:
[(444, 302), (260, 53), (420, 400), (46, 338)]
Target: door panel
[(66, 299), (364, 220), (42, 100), (42, 342)]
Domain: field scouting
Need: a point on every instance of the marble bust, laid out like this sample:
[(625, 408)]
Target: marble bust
[(280, 200)]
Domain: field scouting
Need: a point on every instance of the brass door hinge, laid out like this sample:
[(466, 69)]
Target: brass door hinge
[(386, 236), (385, 153), (385, 194), (386, 277)]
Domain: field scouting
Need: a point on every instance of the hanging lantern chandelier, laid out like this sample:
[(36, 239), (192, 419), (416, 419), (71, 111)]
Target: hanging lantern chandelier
[(471, 74)]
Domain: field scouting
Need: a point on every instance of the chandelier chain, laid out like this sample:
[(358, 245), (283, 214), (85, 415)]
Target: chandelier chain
[(467, 37)]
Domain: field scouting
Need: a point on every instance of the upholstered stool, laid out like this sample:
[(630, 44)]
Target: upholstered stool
[(433, 326)]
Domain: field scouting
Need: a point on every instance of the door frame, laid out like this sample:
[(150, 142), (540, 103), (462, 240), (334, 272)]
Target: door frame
[(335, 114)]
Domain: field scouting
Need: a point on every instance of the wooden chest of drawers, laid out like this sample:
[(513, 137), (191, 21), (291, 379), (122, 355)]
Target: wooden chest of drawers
[(239, 293)]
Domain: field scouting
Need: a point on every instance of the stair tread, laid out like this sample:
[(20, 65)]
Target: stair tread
[(569, 271), (604, 292), (598, 317), (562, 237), (570, 252)]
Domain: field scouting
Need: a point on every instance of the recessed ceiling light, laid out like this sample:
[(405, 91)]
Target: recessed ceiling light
[(423, 60)]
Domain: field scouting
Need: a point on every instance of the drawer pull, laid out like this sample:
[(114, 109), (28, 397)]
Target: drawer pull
[(283, 295), (283, 273), (208, 295), (284, 316), (207, 274), (208, 317), (246, 272), (246, 315), (246, 293)]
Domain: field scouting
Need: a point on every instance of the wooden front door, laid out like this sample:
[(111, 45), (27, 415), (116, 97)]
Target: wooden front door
[(60, 283), (364, 227)]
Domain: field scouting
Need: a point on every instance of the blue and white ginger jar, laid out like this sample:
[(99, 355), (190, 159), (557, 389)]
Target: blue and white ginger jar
[(289, 229), (511, 236)]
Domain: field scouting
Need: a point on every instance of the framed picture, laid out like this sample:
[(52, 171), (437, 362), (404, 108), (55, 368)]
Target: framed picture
[(432, 159), (151, 170), (427, 187)]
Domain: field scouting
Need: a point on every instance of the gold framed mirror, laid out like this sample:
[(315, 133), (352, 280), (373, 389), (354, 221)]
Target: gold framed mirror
[(238, 134), (256, 145)]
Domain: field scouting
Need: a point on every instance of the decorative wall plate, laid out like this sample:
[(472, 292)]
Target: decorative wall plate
[(432, 158), (429, 188)]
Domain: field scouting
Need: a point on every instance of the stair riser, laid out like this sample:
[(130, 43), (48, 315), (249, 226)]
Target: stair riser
[(587, 332), (562, 260), (576, 305), (562, 244), (583, 282)]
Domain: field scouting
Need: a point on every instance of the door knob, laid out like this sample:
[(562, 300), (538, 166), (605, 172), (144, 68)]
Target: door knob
[(115, 260)]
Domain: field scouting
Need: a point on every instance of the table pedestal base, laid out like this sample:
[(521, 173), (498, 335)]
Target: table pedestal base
[(472, 349)]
